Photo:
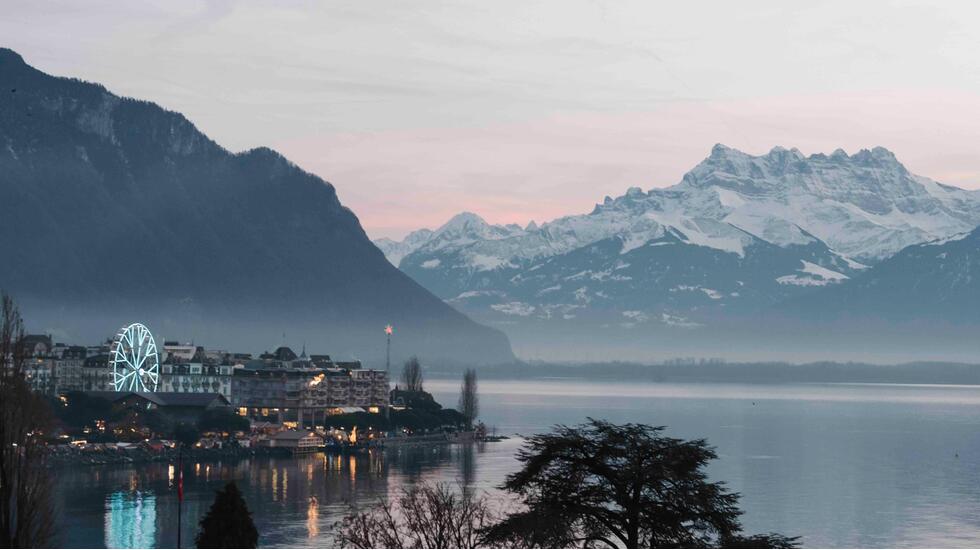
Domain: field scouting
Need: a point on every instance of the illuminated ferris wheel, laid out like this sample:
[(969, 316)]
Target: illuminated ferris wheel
[(135, 366)]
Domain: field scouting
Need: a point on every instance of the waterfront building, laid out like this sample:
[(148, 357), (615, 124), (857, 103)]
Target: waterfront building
[(186, 407), (48, 367), (301, 441), (203, 372), (96, 374), (290, 389), (68, 370), (39, 373), (178, 351), (280, 386), (53, 368)]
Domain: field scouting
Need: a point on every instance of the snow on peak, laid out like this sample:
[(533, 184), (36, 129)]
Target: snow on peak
[(462, 230), (865, 206), (461, 221)]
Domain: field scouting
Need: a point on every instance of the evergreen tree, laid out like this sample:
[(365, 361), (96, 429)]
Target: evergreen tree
[(621, 486), (228, 524), (469, 402), (186, 434)]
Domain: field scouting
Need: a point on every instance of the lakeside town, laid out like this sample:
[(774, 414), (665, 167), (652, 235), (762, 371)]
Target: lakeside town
[(582, 274), (219, 403)]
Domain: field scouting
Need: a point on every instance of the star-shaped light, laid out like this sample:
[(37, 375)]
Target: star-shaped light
[(389, 330)]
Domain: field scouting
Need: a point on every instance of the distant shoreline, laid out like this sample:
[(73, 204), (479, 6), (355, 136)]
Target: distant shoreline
[(918, 372)]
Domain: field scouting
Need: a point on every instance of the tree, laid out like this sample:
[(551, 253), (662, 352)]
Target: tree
[(620, 486), (228, 524), (469, 402), (26, 508), (186, 434), (415, 399), (423, 516), (222, 420), (412, 375), (160, 423), (81, 409)]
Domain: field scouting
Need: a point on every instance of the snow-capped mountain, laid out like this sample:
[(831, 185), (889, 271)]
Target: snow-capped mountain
[(738, 234), (936, 281), (462, 230), (866, 206)]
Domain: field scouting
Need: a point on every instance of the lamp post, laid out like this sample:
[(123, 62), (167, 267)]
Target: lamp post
[(388, 331)]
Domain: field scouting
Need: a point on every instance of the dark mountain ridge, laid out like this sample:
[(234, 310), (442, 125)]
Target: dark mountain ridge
[(936, 281), (113, 207)]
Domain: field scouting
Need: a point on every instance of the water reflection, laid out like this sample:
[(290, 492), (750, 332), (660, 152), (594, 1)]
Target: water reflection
[(467, 463), (842, 466), (130, 519), (294, 501), (312, 517)]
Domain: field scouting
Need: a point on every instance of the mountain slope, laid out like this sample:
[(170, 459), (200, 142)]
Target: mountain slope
[(114, 208), (712, 254), (937, 281)]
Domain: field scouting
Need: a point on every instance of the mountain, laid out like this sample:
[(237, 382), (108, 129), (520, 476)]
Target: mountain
[(866, 206), (738, 235), (463, 229), (935, 282), (116, 210)]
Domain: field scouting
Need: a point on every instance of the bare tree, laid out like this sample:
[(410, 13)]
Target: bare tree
[(423, 516), (26, 509), (412, 374), (469, 401)]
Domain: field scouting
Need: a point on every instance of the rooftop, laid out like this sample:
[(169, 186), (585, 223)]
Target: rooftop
[(167, 399)]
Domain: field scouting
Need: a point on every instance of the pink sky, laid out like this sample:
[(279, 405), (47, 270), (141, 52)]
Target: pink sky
[(530, 109), (542, 169)]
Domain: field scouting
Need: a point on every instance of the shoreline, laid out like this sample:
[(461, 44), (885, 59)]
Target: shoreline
[(716, 371), (60, 459)]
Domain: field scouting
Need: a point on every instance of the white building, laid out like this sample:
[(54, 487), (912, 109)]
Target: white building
[(178, 352), (203, 372)]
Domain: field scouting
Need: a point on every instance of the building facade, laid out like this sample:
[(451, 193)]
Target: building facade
[(298, 390), (69, 370), (96, 375), (190, 369)]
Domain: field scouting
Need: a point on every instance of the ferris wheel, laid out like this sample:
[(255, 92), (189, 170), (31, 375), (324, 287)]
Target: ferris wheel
[(134, 361)]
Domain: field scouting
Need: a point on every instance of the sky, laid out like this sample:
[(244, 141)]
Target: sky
[(527, 110)]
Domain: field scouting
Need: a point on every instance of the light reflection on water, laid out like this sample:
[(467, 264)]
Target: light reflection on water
[(842, 465), (130, 519)]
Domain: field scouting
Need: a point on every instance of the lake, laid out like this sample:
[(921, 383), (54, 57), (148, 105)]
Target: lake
[(842, 465)]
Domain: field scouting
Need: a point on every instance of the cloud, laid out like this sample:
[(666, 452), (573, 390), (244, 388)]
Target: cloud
[(528, 110), (400, 180)]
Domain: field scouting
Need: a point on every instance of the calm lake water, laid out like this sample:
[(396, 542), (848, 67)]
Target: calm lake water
[(840, 465)]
